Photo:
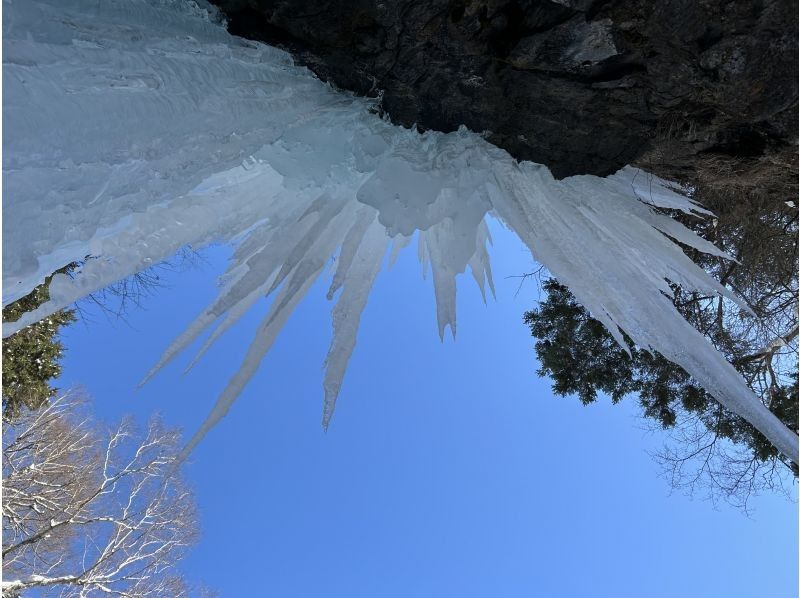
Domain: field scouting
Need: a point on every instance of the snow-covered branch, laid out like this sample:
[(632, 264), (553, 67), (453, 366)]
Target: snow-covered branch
[(86, 511)]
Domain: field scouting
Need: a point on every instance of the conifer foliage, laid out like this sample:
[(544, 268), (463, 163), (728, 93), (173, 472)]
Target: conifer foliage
[(31, 356)]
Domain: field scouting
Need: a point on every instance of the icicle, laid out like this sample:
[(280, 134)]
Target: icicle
[(323, 208), (286, 300), (231, 317), (399, 243), (479, 263), (352, 242), (444, 277), (357, 283), (423, 254)]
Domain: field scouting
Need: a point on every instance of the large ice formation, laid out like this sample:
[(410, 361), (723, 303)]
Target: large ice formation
[(136, 127)]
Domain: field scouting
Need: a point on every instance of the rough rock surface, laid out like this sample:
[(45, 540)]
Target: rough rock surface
[(583, 86)]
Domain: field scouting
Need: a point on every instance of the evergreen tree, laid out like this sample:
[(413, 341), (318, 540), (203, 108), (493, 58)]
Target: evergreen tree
[(715, 449), (583, 359), (31, 356)]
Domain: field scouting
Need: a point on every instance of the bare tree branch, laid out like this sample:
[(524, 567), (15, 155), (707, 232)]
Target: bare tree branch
[(86, 511)]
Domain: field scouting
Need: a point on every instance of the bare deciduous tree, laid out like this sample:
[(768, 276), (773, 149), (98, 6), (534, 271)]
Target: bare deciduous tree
[(90, 512)]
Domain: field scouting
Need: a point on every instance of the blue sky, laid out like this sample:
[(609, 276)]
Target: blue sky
[(449, 469)]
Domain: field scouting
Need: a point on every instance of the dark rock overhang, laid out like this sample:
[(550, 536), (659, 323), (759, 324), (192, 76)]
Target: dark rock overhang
[(583, 86)]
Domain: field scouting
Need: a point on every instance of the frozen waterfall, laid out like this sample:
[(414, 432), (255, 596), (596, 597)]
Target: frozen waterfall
[(136, 127)]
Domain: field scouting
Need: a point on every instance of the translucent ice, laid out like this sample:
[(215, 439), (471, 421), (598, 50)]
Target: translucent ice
[(136, 127)]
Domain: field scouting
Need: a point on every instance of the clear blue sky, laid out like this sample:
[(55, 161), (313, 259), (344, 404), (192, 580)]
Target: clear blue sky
[(449, 469)]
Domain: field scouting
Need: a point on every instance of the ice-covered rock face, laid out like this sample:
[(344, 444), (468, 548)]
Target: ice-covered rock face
[(136, 127)]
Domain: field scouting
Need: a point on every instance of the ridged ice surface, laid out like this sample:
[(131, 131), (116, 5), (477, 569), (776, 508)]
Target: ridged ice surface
[(136, 127)]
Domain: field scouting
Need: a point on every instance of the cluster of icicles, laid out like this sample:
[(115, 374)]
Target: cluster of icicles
[(137, 127)]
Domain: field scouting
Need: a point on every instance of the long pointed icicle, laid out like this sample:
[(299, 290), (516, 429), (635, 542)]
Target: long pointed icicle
[(285, 302), (479, 263), (347, 312)]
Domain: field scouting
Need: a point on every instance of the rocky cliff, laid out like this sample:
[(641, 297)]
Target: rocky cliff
[(583, 86)]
